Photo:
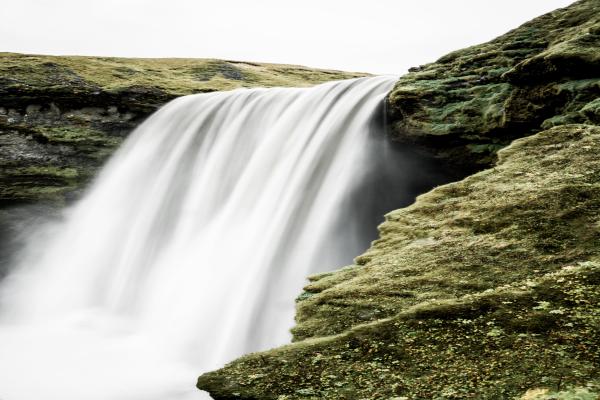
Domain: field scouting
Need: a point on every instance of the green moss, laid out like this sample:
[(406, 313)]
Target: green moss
[(35, 193), (591, 111), (74, 135), (70, 113), (485, 148), (479, 349), (88, 142), (465, 237), (557, 120), (176, 76), (536, 76), (73, 155), (49, 171), (35, 183), (482, 289), (591, 392)]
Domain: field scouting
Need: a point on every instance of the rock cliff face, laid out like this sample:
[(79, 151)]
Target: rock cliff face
[(472, 102), (485, 288), (482, 289), (61, 117)]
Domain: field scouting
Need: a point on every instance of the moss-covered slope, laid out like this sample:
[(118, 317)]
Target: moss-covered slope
[(482, 289), (474, 101), (60, 117)]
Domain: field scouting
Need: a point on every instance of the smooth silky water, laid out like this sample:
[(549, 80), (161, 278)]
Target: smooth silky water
[(191, 245)]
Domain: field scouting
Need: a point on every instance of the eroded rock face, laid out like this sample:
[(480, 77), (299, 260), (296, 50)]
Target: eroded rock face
[(48, 154), (472, 102), (485, 288)]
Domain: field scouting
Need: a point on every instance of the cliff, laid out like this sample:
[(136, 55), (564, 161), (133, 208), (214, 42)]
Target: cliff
[(472, 102), (60, 117), (482, 289), (485, 288)]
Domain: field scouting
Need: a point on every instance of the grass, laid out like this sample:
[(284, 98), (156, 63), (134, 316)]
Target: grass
[(176, 76)]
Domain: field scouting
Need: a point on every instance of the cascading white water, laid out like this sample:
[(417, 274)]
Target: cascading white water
[(191, 245)]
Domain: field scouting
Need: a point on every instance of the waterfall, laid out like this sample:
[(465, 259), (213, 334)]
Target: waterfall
[(191, 244)]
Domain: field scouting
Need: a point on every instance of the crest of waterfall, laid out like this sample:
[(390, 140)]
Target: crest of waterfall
[(190, 246)]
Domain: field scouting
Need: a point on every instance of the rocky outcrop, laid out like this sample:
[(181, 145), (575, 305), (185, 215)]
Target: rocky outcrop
[(485, 288), (472, 102), (482, 289), (60, 117)]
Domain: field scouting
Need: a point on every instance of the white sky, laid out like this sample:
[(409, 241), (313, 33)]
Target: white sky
[(378, 36)]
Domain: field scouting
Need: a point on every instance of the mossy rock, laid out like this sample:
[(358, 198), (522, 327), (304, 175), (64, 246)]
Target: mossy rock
[(483, 288), (138, 84), (50, 163), (469, 103), (70, 113), (588, 392)]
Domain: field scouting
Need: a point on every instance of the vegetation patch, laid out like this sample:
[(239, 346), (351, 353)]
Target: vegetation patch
[(169, 77), (485, 288), (542, 74)]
